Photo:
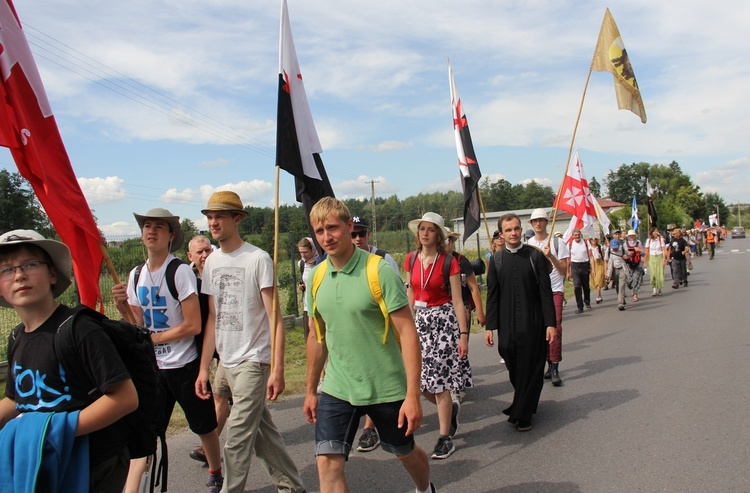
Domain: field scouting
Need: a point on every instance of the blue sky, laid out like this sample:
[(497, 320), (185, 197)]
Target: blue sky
[(162, 102)]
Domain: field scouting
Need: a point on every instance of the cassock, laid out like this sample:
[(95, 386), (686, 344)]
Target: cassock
[(520, 308)]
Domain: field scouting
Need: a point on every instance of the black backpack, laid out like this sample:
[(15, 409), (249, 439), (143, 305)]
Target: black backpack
[(446, 269), (133, 344)]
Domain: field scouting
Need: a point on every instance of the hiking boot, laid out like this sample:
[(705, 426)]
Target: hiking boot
[(454, 418), (444, 448), (556, 380), (215, 482), (198, 455), (369, 440)]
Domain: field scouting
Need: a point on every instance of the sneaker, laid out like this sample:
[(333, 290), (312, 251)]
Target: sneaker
[(548, 374), (578, 311), (215, 482), (369, 440), (588, 306), (198, 455), (524, 425), (556, 380), (598, 300), (444, 448), (621, 307), (454, 418)]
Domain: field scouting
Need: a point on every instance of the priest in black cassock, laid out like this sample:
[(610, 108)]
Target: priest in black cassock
[(521, 310)]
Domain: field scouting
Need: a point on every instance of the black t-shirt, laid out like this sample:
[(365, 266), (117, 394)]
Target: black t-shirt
[(37, 382), (678, 248)]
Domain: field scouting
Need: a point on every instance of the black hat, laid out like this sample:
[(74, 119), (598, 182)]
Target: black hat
[(360, 222), (496, 234)]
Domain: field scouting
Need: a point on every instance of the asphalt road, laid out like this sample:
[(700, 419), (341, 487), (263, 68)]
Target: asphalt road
[(655, 399)]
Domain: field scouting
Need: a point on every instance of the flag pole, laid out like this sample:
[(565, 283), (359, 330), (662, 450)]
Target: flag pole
[(116, 280), (275, 297), (486, 225), (570, 149)]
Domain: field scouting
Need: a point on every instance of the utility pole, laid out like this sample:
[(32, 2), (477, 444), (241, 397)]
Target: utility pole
[(372, 203)]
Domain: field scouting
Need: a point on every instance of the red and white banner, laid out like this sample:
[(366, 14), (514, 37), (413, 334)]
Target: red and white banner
[(28, 128), (575, 198)]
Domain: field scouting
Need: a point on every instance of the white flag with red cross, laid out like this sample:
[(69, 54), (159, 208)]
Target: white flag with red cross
[(575, 197)]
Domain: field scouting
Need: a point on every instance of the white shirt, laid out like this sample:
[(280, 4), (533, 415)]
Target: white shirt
[(656, 247), (235, 280), (556, 279), (162, 312), (579, 251)]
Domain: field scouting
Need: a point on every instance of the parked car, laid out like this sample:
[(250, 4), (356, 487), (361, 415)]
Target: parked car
[(738, 232)]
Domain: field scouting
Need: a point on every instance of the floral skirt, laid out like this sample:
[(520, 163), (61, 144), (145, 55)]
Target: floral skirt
[(442, 369)]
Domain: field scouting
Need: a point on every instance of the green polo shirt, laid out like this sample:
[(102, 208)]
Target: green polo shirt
[(361, 369)]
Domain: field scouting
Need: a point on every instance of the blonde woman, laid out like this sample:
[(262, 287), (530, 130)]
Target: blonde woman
[(444, 336)]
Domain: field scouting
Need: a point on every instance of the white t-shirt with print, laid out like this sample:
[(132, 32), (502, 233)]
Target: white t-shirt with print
[(235, 280), (162, 312), (556, 279)]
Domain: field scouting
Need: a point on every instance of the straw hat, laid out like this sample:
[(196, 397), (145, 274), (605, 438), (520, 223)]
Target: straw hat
[(539, 214), (429, 217), (224, 201), (58, 252)]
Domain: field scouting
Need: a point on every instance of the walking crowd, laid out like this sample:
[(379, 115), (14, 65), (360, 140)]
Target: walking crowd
[(376, 345)]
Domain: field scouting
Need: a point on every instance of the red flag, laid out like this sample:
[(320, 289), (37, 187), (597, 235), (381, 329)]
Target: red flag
[(28, 128), (297, 146), (575, 198), (467, 161)]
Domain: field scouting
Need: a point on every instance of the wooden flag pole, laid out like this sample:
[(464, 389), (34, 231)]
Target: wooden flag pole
[(275, 297), (486, 225), (116, 280), (572, 140)]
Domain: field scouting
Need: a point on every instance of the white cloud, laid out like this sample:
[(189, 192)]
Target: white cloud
[(361, 188), (730, 180), (392, 145), (100, 191), (541, 181), (119, 228), (216, 163)]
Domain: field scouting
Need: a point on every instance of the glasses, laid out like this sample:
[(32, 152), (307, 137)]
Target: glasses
[(29, 267), (361, 233)]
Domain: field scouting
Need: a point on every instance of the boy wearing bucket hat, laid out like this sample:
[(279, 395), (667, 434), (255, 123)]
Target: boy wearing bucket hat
[(34, 271), (239, 279), (174, 323)]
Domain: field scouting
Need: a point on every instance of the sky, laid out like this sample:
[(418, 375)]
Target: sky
[(160, 103)]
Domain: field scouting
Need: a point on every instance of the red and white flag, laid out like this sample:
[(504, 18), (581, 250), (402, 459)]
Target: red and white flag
[(575, 198), (297, 146), (28, 128)]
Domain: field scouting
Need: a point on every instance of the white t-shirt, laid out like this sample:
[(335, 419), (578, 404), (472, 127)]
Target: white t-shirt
[(579, 251), (556, 279), (235, 280), (161, 311)]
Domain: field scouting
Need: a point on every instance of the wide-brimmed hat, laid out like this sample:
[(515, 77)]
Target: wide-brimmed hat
[(631, 232), (360, 222), (171, 219), (224, 200), (429, 217), (539, 214), (58, 252)]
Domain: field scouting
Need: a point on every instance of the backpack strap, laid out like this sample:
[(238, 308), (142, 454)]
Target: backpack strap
[(447, 272), (318, 275), (68, 354), (373, 280), (170, 274)]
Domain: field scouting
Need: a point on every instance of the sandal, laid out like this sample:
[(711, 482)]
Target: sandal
[(598, 300), (635, 298)]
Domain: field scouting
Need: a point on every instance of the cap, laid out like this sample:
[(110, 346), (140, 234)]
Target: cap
[(360, 222)]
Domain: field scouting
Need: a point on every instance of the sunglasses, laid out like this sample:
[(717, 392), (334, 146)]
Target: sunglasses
[(361, 233)]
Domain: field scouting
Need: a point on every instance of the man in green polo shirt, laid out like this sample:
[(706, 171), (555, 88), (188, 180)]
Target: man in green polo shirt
[(367, 372)]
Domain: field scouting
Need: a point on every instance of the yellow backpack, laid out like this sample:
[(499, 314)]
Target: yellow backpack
[(373, 280)]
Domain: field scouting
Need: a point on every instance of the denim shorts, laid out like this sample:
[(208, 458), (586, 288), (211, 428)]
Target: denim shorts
[(337, 423)]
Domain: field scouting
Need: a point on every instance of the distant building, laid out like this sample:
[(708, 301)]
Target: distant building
[(561, 223)]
